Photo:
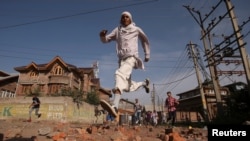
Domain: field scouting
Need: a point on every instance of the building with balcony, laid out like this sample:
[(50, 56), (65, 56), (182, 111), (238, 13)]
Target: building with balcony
[(191, 103), (51, 78)]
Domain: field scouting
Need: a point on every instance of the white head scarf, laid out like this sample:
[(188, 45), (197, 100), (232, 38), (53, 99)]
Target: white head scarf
[(128, 14)]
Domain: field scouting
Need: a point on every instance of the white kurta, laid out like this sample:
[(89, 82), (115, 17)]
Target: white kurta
[(127, 42), (127, 51)]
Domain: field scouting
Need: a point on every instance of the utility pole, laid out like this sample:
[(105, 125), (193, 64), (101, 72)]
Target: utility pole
[(216, 54), (153, 96), (194, 56), (240, 42), (213, 73), (212, 68)]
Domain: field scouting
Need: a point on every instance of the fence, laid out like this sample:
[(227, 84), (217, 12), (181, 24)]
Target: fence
[(7, 94)]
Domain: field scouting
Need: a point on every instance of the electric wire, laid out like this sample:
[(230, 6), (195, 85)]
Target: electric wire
[(77, 14)]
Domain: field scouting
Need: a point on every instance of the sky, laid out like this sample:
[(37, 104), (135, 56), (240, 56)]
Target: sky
[(37, 31)]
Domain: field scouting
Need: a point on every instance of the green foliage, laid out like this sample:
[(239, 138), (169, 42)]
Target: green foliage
[(35, 92), (76, 95), (92, 98)]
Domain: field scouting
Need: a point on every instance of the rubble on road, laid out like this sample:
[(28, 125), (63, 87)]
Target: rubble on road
[(77, 131)]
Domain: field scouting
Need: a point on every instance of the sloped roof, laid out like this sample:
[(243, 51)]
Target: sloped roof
[(105, 91), (235, 83), (86, 70), (46, 65), (2, 74), (5, 76), (8, 77)]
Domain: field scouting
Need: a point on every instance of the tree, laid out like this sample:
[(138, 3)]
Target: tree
[(92, 98)]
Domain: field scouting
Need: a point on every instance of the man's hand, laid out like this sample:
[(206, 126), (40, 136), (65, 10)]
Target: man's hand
[(103, 33)]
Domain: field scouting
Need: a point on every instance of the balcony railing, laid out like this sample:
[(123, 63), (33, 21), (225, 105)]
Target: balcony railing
[(59, 79)]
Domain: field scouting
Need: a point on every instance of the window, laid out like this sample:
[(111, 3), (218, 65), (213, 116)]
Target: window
[(33, 74), (58, 70), (93, 89), (184, 96), (55, 88), (41, 87), (223, 92), (26, 89), (210, 91)]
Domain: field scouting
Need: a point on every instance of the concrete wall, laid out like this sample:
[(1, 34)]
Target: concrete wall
[(52, 108)]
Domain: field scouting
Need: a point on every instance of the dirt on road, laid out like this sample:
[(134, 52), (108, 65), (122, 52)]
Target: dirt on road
[(42, 130)]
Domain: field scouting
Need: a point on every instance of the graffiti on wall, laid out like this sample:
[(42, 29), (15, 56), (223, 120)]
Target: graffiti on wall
[(49, 111), (55, 112), (6, 111)]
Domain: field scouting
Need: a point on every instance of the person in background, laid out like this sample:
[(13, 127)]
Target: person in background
[(35, 105), (148, 118), (164, 118), (109, 117), (155, 118), (171, 104), (138, 109), (127, 36)]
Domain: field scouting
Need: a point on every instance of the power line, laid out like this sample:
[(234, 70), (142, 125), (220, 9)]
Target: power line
[(177, 80), (77, 14)]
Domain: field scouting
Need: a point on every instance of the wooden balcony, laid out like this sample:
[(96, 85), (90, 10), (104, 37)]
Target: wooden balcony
[(59, 79)]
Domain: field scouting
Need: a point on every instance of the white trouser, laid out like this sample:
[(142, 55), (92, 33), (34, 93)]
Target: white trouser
[(123, 80), (31, 110)]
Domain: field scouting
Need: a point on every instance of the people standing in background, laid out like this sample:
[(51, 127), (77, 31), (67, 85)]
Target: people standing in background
[(127, 35), (109, 117), (171, 104), (138, 109), (164, 118), (35, 105), (155, 118), (148, 118)]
